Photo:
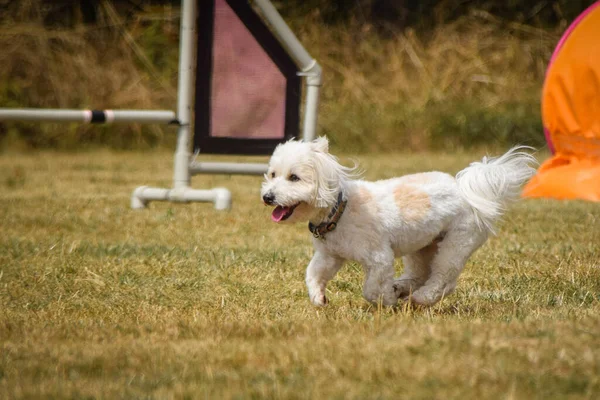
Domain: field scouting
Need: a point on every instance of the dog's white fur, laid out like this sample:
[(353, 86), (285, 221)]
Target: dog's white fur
[(433, 220)]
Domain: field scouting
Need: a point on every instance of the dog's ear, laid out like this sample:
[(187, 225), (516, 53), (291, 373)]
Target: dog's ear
[(327, 178), (324, 179), (321, 144)]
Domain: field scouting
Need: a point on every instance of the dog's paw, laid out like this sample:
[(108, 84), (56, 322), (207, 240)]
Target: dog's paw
[(424, 298), (320, 300), (402, 288), (429, 295)]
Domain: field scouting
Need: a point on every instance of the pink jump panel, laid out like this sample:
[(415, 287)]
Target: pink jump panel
[(248, 90), (247, 86)]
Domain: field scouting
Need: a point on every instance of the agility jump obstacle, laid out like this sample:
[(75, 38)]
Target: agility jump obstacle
[(214, 33)]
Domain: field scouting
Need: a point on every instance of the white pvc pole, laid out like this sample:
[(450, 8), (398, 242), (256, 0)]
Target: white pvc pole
[(142, 195), (308, 65), (228, 168), (88, 116), (285, 35), (309, 128), (181, 175)]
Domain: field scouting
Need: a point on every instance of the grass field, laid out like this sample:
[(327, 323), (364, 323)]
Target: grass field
[(181, 301)]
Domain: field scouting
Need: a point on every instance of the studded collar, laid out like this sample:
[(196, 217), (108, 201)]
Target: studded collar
[(319, 231)]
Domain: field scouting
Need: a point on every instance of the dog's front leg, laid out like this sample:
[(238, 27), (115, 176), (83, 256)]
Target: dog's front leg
[(379, 279), (321, 269)]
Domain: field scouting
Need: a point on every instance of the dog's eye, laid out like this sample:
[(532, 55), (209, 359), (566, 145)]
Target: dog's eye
[(294, 178), (272, 174)]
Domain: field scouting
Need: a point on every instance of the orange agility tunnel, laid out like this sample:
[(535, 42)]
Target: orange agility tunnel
[(571, 115)]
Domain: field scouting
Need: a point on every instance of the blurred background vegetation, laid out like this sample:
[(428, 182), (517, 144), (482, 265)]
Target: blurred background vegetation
[(398, 74)]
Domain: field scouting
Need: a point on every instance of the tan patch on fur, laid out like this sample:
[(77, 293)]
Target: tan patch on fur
[(362, 199), (422, 177), (414, 204)]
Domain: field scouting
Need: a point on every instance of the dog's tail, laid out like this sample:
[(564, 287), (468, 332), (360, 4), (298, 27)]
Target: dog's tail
[(490, 184)]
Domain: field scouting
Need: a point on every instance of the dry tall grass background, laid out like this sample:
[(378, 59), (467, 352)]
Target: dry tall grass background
[(84, 66), (474, 81)]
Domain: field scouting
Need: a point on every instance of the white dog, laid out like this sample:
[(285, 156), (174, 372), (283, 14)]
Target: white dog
[(433, 220)]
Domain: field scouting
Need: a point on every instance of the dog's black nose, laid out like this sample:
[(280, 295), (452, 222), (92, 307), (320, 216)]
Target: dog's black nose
[(269, 198)]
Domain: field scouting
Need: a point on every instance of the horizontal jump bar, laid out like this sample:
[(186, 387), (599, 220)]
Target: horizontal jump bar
[(227, 168), (88, 116)]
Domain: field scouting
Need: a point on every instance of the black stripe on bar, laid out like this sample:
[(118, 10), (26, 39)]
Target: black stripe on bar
[(98, 117)]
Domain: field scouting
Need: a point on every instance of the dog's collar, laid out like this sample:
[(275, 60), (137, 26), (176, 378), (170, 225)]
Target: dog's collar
[(320, 230)]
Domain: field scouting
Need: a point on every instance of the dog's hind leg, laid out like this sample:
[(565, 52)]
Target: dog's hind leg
[(447, 264), (321, 269), (416, 270)]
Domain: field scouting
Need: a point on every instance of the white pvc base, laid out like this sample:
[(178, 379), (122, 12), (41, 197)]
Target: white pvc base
[(227, 168), (220, 197)]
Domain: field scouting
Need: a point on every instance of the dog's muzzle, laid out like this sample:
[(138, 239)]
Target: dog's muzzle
[(269, 198)]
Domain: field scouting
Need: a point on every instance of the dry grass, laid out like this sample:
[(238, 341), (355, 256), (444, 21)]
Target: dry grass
[(474, 56), (473, 81), (476, 80), (181, 301)]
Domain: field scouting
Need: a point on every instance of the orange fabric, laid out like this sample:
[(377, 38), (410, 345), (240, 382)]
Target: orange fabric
[(571, 113), (566, 178)]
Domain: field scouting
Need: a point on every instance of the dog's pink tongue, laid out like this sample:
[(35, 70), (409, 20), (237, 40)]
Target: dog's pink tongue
[(278, 213)]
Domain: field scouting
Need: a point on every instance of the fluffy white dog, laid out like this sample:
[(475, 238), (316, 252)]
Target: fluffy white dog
[(433, 220)]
